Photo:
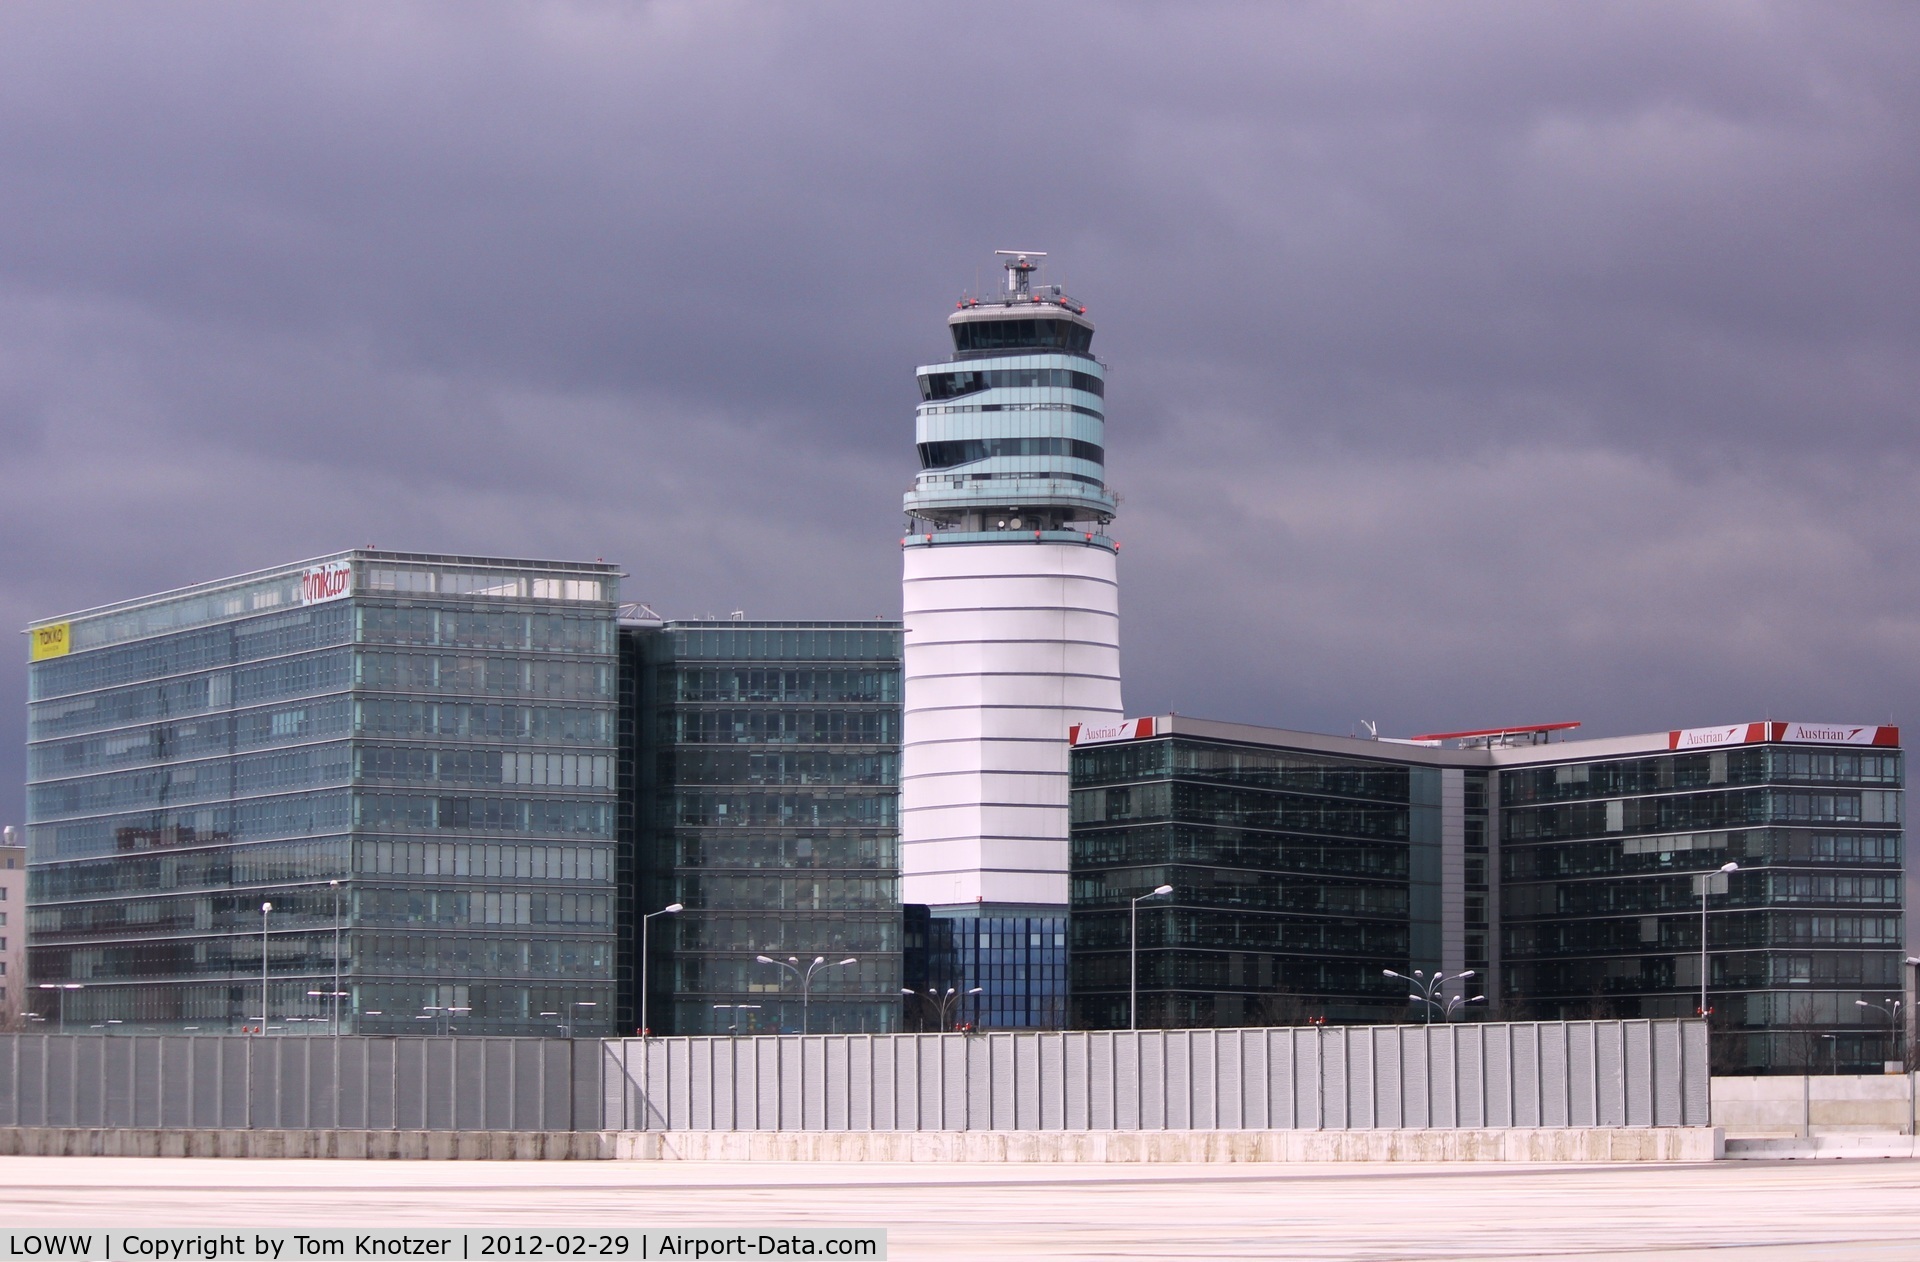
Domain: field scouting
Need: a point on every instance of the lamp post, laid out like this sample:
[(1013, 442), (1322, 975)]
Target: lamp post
[(266, 909), (671, 909), (573, 1015), (1833, 1054), (1891, 1011), (1133, 953), (1426, 990), (945, 1004), (792, 965), (1910, 975), (335, 887), (60, 990), (335, 996), (1705, 881)]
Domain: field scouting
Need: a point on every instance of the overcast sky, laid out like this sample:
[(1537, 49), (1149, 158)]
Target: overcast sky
[(1468, 363)]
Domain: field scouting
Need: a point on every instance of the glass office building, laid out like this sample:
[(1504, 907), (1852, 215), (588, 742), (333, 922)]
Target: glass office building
[(765, 773), (1018, 964), (409, 757), (1602, 865), (1559, 879), (1297, 878)]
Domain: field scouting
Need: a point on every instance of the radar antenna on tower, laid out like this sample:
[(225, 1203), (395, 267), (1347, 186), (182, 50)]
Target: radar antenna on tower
[(1020, 269)]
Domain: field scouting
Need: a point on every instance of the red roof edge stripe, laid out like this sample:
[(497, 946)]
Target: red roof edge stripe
[(1495, 731)]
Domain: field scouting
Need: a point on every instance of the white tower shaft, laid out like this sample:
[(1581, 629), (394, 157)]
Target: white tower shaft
[(1011, 598), (1007, 646)]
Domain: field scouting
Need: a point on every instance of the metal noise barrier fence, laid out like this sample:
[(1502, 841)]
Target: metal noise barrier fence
[(228, 1082), (1550, 1074)]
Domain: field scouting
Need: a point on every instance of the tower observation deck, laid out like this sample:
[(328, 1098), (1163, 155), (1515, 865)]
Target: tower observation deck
[(1011, 596), (1011, 431)]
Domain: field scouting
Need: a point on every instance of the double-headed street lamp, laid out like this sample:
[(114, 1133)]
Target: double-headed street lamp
[(335, 996), (447, 1013), (1133, 953), (60, 1001), (733, 1026), (1426, 990), (944, 1004), (792, 965), (1891, 1011), (671, 909)]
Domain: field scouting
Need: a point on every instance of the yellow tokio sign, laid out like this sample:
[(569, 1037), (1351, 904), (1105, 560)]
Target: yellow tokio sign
[(52, 641)]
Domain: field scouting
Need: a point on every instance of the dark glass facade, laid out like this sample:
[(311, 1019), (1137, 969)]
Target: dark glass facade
[(1601, 914), (1018, 963), (1293, 874), (765, 769), (409, 755)]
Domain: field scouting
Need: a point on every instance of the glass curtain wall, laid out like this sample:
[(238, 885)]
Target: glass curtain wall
[(1601, 911), (767, 768), (1018, 964), (1290, 875), (407, 755)]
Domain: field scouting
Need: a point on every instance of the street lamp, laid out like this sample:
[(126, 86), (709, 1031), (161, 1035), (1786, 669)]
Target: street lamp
[(1133, 954), (60, 1001), (1833, 1054), (265, 910), (944, 1004), (446, 1015), (1426, 990), (1705, 881), (573, 1016), (1891, 1011), (671, 909), (334, 995), (335, 887), (792, 965), (1909, 978)]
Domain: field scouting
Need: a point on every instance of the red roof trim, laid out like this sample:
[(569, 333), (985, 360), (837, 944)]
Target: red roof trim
[(1495, 731)]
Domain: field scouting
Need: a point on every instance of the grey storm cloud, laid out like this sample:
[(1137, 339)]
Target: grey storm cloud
[(1470, 363)]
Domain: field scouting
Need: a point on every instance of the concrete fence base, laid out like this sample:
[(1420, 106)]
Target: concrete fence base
[(1669, 1143), (1589, 1144), (1795, 1105), (75, 1141)]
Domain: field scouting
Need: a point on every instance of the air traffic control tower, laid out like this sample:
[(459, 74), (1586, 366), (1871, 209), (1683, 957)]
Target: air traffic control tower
[(1011, 601)]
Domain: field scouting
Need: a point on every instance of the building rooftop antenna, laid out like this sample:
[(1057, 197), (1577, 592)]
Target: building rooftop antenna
[(1020, 267)]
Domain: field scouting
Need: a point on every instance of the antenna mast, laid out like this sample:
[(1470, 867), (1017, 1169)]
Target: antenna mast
[(1020, 267)]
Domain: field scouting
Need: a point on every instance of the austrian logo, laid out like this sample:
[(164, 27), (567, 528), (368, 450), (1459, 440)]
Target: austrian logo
[(1705, 737), (1101, 733), (1832, 733)]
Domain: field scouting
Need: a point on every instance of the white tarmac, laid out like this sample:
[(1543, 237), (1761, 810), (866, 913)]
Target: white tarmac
[(1727, 1210)]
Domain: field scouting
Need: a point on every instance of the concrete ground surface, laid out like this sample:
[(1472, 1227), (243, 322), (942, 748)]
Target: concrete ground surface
[(1725, 1210)]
